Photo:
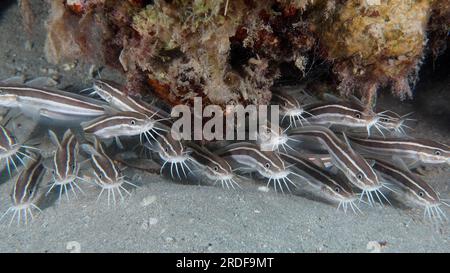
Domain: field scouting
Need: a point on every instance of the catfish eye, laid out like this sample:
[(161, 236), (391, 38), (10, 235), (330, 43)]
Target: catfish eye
[(267, 165), (358, 115), (216, 168), (421, 193), (359, 176), (53, 172), (166, 149), (337, 189), (437, 153), (100, 176), (384, 120), (133, 122)]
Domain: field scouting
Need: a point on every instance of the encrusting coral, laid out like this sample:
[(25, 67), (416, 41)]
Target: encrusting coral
[(439, 27), (233, 51), (375, 43), (185, 46)]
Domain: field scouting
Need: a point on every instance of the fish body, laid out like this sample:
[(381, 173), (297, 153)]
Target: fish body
[(107, 174), (58, 106), (342, 114), (115, 95), (418, 150), (353, 165), (25, 191), (334, 187), (290, 108), (267, 163), (120, 124), (211, 165), (416, 190)]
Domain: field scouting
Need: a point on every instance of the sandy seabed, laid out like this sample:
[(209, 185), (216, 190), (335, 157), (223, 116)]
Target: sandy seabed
[(166, 216)]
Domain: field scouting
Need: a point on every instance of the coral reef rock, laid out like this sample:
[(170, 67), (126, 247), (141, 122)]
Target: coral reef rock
[(234, 51)]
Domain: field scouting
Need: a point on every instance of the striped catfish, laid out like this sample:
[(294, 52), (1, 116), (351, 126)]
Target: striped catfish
[(393, 123), (114, 94), (415, 188), (332, 186), (354, 166), (65, 163), (9, 149), (24, 193), (172, 152), (321, 160), (418, 150), (57, 106), (212, 166), (271, 139), (266, 163), (122, 124), (344, 114), (290, 108), (107, 174)]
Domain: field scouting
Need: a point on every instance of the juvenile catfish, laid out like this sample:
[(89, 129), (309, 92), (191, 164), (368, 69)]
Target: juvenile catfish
[(65, 163), (341, 114), (415, 188), (418, 151), (10, 149), (212, 166), (290, 108), (56, 106), (123, 124), (115, 95), (172, 152), (24, 193), (267, 163), (330, 185), (107, 174), (353, 166)]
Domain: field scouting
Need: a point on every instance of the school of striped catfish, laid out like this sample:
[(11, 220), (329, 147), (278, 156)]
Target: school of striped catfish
[(336, 149)]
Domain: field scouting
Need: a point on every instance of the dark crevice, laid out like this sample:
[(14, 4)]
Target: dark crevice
[(5, 4)]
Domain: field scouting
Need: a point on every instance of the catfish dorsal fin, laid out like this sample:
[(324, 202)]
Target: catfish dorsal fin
[(119, 143), (331, 98), (67, 134), (400, 163), (40, 82), (54, 138), (14, 80), (370, 161), (98, 146), (110, 110), (346, 140), (88, 148), (355, 100)]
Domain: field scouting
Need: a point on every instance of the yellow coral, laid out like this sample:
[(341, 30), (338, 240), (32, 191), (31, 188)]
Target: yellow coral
[(394, 29), (384, 38)]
